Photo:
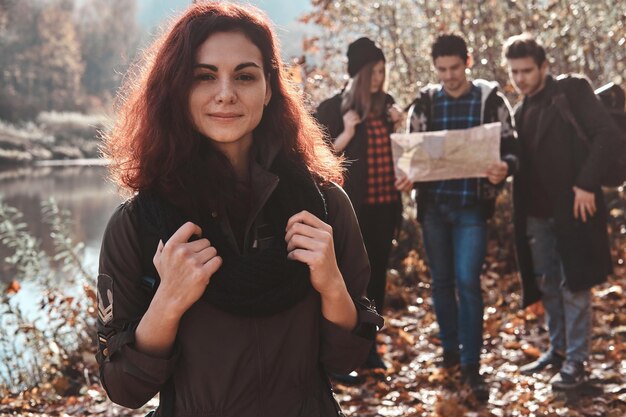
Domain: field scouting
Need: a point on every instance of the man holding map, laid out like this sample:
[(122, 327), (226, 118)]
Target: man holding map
[(453, 211)]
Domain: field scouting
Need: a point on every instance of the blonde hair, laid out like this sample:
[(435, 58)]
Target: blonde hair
[(357, 96)]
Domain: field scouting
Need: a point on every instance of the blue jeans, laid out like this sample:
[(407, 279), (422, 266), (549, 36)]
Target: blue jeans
[(455, 239), (568, 313)]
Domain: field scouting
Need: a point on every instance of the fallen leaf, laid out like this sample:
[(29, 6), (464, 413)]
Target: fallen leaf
[(531, 351), (13, 287)]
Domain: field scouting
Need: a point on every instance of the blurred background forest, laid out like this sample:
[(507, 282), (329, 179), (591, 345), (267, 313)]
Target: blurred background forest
[(63, 55), (587, 37), (70, 55), (61, 63)]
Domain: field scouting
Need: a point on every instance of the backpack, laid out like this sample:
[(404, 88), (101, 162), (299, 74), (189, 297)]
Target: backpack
[(612, 98)]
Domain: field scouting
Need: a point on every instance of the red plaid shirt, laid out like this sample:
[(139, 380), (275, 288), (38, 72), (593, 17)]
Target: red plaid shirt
[(380, 173)]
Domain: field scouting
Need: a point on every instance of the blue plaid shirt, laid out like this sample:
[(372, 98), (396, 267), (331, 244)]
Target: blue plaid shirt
[(455, 113)]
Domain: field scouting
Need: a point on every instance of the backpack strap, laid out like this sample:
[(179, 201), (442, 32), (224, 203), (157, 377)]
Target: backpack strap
[(148, 238), (425, 102), (562, 103), (431, 107)]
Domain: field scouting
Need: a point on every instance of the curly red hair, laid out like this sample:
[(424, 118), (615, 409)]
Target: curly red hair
[(152, 143)]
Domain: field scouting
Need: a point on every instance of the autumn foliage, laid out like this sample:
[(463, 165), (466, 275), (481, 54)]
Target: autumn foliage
[(581, 36)]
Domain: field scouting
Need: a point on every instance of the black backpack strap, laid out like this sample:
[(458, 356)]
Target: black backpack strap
[(562, 103), (425, 101), (149, 236)]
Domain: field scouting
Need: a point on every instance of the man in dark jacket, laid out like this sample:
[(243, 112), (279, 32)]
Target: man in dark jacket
[(559, 214), (454, 213)]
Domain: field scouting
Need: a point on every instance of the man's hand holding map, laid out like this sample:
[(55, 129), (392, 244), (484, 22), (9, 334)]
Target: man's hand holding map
[(446, 154)]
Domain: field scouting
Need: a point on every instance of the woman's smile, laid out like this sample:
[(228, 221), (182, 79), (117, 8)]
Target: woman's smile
[(224, 116), (229, 92)]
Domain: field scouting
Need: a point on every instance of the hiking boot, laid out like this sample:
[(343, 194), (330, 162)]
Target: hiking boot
[(374, 361), (470, 374), (450, 359), (572, 375), (550, 359)]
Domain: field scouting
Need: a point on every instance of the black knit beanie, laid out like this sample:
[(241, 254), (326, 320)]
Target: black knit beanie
[(360, 53)]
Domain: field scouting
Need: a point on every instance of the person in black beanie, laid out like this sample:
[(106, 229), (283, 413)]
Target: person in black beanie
[(359, 121), (362, 52)]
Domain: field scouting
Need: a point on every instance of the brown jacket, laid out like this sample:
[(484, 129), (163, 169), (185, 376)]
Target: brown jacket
[(225, 365)]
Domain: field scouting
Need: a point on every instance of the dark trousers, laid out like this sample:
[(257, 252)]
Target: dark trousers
[(378, 223)]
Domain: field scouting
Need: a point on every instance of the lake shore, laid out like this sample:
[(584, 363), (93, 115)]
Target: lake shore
[(51, 137)]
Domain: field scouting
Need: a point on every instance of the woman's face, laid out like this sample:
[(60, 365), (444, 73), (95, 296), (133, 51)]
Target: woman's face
[(229, 89), (378, 77)]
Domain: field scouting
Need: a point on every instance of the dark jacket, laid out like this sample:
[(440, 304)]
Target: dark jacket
[(564, 161), (329, 115), (494, 108), (226, 365)]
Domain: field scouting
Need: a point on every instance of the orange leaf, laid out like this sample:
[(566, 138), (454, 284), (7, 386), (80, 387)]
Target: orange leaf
[(13, 287), (536, 309), (407, 337), (90, 292), (448, 406), (512, 344), (531, 351)]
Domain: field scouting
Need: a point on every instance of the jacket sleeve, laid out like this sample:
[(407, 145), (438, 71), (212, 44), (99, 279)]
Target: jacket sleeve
[(341, 350), (509, 147), (328, 115), (130, 378), (599, 128)]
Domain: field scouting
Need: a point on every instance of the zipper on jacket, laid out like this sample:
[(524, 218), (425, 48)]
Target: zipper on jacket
[(253, 215)]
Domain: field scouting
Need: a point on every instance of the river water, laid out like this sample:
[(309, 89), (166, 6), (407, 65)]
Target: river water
[(83, 190)]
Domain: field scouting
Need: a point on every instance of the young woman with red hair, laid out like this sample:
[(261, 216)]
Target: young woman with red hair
[(233, 279)]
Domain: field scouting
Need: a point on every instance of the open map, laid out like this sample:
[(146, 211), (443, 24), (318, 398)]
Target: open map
[(446, 154)]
